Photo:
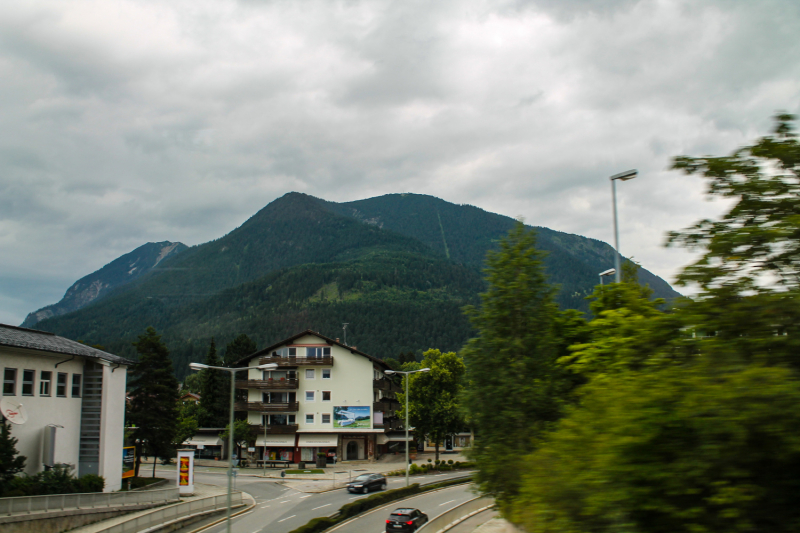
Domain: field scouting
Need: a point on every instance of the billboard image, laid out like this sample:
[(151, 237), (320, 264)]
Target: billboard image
[(128, 461), (352, 417)]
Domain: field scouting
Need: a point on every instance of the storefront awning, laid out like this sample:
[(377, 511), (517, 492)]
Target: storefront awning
[(319, 439), (276, 440), (205, 440), (393, 437)]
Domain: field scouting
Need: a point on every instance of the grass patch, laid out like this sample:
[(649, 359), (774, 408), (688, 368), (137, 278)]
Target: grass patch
[(312, 471)]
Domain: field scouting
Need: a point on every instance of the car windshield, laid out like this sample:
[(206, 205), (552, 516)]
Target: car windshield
[(362, 477), (400, 516)]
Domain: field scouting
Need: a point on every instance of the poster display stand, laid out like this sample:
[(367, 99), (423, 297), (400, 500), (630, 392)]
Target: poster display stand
[(186, 472)]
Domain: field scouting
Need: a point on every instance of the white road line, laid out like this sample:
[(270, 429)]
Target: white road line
[(287, 518), (287, 501), (320, 507), (264, 507), (306, 496), (445, 503)]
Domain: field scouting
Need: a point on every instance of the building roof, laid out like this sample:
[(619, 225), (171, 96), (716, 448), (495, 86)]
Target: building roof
[(293, 338), (44, 341)]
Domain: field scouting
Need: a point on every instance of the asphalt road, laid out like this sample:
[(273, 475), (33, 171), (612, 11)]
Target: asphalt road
[(280, 509)]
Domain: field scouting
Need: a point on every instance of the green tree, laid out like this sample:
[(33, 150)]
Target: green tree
[(193, 383), (189, 415), (239, 348), (154, 403), (513, 386), (242, 435), (11, 463), (434, 408), (214, 392)]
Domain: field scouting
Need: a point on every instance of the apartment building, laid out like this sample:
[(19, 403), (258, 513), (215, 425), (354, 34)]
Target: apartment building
[(324, 397), (74, 398)]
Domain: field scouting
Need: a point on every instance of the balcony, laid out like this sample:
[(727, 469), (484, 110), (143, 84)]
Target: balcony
[(262, 407), (387, 385), (291, 362), (275, 430), (267, 384), (386, 405), (391, 424)]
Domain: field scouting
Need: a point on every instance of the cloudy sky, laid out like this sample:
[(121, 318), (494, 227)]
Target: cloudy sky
[(123, 122)]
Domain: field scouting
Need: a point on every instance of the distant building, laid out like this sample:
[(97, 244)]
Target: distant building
[(324, 397), (72, 393)]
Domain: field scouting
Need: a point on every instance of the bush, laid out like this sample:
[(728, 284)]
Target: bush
[(429, 460), (414, 469), (58, 480), (450, 462), (91, 483), (316, 525), (365, 504)]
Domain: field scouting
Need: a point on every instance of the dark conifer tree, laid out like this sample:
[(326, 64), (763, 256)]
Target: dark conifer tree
[(214, 390), (11, 463), (240, 347), (154, 404)]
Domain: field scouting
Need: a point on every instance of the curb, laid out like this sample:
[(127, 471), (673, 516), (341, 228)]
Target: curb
[(454, 523), (233, 515)]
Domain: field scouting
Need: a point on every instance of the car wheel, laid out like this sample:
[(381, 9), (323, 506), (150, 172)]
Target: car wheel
[(383, 486), (365, 490)]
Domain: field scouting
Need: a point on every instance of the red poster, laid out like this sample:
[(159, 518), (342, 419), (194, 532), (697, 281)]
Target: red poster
[(184, 471)]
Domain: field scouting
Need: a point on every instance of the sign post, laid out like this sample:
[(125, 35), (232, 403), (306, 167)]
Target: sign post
[(185, 472)]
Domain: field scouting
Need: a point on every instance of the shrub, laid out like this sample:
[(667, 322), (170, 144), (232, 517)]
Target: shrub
[(457, 464), (91, 483), (316, 525), (429, 459), (450, 462)]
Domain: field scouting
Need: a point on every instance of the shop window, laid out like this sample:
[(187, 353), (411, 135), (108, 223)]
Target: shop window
[(76, 385), (45, 377), (10, 382), (61, 385), (28, 377)]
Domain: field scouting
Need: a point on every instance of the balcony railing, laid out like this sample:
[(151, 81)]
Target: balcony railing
[(267, 384), (391, 424), (267, 407), (283, 429), (386, 385), (289, 362)]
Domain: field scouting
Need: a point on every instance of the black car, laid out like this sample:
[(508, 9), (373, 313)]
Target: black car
[(367, 482), (405, 520)]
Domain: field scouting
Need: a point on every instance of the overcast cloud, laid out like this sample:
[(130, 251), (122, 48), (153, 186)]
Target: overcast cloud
[(123, 122)]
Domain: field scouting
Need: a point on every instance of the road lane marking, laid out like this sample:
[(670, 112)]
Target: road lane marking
[(287, 501), (321, 506), (445, 503), (264, 507), (287, 518), (306, 496)]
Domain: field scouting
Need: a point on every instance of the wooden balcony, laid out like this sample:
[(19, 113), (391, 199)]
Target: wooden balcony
[(387, 385), (386, 405), (291, 362), (274, 430), (264, 384), (390, 424), (267, 407)]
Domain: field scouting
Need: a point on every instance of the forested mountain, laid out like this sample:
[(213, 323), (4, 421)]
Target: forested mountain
[(386, 265), (99, 284)]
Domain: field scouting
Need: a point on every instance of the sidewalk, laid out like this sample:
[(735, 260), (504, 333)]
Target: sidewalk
[(200, 491)]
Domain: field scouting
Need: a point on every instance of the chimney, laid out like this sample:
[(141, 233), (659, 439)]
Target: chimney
[(337, 339)]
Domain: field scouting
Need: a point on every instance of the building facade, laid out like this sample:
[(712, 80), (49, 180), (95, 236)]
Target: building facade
[(74, 397), (324, 397)]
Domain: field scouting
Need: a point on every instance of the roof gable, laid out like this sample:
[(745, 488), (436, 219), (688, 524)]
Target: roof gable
[(44, 341)]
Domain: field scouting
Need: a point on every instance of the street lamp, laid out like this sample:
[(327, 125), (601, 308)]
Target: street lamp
[(407, 373), (201, 366), (609, 272), (623, 176)]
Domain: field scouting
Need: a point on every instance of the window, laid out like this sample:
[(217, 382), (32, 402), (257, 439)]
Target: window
[(326, 418), (292, 352), (326, 396), (28, 376), (309, 373), (309, 418), (285, 352), (45, 376), (318, 352), (326, 373), (309, 395), (277, 420), (10, 382), (61, 385), (76, 385)]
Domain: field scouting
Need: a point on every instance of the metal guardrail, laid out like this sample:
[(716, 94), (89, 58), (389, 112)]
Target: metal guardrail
[(447, 519), (22, 505), (165, 515)]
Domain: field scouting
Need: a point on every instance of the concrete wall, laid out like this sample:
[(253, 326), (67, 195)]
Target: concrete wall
[(113, 426)]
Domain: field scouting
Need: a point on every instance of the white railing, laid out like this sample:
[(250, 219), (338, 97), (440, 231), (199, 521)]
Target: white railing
[(171, 513), (448, 519), (21, 505)]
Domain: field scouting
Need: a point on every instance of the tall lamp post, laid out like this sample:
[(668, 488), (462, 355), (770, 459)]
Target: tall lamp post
[(232, 371), (609, 272), (622, 176), (407, 374)]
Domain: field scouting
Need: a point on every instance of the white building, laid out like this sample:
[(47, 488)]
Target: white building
[(70, 391), (325, 397)]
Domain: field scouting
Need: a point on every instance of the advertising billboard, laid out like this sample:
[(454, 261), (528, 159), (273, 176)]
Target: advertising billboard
[(352, 417), (128, 461)]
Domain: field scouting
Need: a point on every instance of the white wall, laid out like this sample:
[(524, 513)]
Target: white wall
[(45, 410), (112, 426)]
